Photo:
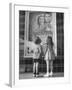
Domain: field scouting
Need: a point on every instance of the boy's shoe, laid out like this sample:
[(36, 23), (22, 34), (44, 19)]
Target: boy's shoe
[(37, 74), (34, 75)]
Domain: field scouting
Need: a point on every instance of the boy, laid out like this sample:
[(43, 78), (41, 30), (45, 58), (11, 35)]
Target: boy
[(36, 54)]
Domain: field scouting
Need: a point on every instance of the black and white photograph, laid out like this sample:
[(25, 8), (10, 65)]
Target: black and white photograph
[(41, 44)]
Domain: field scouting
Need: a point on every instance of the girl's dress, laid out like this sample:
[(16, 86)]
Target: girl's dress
[(50, 55)]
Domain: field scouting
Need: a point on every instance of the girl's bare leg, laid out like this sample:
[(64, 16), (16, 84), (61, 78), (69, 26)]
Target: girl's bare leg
[(51, 68), (47, 63), (47, 67)]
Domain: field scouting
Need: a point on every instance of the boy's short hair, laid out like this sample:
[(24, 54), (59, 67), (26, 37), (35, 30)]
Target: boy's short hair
[(38, 40)]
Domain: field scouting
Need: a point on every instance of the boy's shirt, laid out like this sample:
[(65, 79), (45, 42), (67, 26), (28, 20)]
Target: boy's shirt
[(35, 48), (36, 51)]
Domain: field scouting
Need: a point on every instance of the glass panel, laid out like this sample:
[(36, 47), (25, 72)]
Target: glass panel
[(33, 24)]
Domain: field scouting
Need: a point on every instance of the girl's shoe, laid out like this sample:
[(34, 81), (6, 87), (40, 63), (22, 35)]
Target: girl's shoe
[(46, 75), (51, 74)]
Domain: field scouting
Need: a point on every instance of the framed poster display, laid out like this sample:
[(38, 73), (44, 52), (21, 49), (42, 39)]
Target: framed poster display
[(38, 37)]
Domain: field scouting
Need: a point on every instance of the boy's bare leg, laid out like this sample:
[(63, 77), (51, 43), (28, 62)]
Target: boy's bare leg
[(36, 68)]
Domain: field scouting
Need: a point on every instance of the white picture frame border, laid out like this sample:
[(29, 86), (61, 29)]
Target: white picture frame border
[(14, 46)]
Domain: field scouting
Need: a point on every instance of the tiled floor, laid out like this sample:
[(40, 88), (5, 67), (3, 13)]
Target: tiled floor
[(30, 75)]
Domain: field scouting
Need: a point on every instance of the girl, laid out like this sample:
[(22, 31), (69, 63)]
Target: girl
[(49, 56)]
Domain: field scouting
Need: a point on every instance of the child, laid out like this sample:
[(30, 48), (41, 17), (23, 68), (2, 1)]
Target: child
[(49, 56), (36, 54)]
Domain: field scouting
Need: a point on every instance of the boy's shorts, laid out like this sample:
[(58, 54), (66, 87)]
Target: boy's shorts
[(35, 60)]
